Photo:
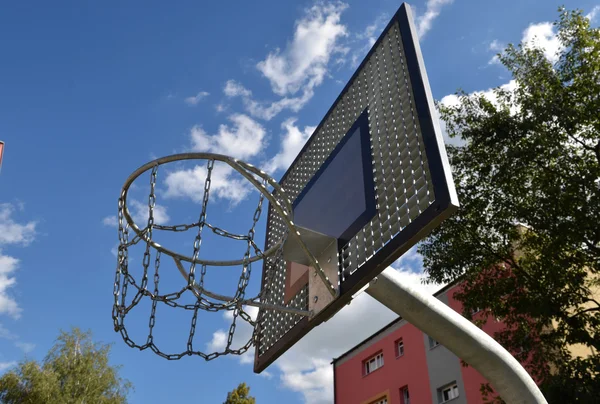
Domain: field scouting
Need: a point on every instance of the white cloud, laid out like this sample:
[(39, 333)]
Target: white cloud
[(495, 60), (235, 89), (315, 384), (303, 63), (496, 46), (369, 37), (539, 35), (294, 72), (262, 109), (7, 365), (218, 342), (266, 374), (25, 346), (416, 279), (410, 261), (190, 184), (110, 221), (450, 100), (268, 111), (292, 141), (194, 100), (453, 100), (372, 31), (490, 94), (6, 334), (140, 211), (593, 14), (542, 36), (8, 305), (244, 139), (424, 22), (12, 232), (243, 333)]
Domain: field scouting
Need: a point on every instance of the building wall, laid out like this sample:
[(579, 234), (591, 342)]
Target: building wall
[(443, 367), (472, 379), (580, 350), (422, 369), (354, 387)]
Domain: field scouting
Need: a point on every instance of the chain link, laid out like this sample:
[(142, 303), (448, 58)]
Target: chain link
[(123, 279), (152, 319), (201, 221)]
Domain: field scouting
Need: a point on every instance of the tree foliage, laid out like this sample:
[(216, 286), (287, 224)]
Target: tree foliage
[(240, 395), (526, 239), (76, 370)]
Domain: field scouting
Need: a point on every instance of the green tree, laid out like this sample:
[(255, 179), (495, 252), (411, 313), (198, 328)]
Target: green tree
[(240, 395), (526, 239), (76, 370)]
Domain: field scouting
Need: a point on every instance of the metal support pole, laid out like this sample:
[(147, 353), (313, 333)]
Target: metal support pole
[(459, 335)]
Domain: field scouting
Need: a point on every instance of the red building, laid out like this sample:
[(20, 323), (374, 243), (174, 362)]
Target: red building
[(401, 365)]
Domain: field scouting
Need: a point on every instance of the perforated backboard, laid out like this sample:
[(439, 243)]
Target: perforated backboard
[(373, 177)]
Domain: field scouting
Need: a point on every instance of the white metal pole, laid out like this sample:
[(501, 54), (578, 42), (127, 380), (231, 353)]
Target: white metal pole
[(459, 335)]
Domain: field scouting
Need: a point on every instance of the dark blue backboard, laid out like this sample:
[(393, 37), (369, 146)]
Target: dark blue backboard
[(340, 199), (374, 175)]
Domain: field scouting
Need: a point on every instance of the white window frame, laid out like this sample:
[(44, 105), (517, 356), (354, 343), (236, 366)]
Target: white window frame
[(399, 348), (451, 390), (373, 363)]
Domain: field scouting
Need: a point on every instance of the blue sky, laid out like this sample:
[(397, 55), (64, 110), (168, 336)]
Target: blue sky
[(89, 91)]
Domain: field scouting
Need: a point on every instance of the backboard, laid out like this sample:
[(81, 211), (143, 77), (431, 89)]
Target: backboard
[(372, 180)]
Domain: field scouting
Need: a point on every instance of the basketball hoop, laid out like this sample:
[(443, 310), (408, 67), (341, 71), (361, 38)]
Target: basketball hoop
[(204, 298), (371, 182)]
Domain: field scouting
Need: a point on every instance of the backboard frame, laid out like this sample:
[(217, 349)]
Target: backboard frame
[(445, 203)]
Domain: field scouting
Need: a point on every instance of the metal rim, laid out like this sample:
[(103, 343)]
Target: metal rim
[(237, 165)]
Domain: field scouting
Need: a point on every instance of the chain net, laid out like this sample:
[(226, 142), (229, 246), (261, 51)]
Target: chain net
[(193, 277)]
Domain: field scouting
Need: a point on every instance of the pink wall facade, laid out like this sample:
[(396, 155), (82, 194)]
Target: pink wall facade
[(354, 387), (472, 379)]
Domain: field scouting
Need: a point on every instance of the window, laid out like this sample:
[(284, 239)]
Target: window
[(447, 393), (399, 347), (381, 401), (404, 395), (432, 343), (374, 363)]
